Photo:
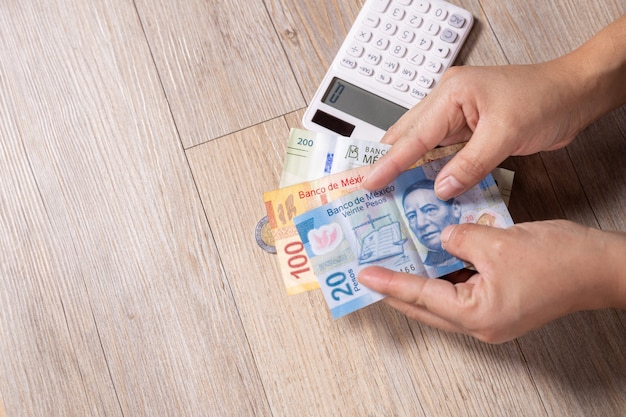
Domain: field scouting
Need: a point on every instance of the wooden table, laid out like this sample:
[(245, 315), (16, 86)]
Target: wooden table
[(136, 139)]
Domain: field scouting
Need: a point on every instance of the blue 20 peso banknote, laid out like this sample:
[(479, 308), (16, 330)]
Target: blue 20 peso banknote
[(397, 227)]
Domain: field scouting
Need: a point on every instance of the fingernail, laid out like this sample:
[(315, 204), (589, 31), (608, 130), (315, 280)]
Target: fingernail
[(448, 187), (364, 279), (368, 276), (445, 235)]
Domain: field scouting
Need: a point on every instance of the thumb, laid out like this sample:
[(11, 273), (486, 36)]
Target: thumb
[(470, 241), (470, 165)]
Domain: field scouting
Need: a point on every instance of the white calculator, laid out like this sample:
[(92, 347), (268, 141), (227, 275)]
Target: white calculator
[(393, 56)]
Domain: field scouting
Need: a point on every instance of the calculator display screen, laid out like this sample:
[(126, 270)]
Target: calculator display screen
[(362, 104)]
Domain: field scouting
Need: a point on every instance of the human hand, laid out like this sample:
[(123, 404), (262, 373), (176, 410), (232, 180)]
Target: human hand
[(527, 275), (502, 111), (508, 110)]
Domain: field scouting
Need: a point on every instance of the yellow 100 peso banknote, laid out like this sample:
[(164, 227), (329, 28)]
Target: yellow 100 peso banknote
[(284, 204)]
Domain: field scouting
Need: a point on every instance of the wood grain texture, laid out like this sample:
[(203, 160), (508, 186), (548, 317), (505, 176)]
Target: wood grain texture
[(136, 140), (311, 33), (111, 285), (535, 31), (221, 65)]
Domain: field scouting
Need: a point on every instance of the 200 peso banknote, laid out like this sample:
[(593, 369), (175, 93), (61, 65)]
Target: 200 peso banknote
[(283, 204), (397, 227), (313, 155)]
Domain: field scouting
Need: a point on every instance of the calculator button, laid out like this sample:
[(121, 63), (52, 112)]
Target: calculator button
[(380, 5), (440, 13), (422, 6), (391, 65), (401, 86), (418, 94), (456, 21), (397, 50), (381, 43), (414, 20), (363, 35), (348, 62), (404, 2), (389, 28), (416, 58), (433, 67), (355, 50), (424, 81), (431, 28), (449, 36), (371, 20), (408, 74), (441, 51), (406, 35), (373, 58), (397, 13), (424, 43), (365, 70), (381, 77)]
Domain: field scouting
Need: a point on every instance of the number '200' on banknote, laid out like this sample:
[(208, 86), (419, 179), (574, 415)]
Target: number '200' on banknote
[(397, 227)]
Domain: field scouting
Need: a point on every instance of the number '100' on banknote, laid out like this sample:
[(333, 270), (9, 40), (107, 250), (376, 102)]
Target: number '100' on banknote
[(397, 227)]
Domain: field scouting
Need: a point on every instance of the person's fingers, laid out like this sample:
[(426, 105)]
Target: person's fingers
[(463, 135), (473, 243), (422, 315), (471, 164), (440, 297), (399, 285), (407, 122), (417, 132)]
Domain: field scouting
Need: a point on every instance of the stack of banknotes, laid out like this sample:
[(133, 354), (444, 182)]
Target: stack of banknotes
[(327, 228)]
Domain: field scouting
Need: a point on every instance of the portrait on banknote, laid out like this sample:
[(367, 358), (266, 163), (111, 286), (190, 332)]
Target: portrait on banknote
[(427, 216)]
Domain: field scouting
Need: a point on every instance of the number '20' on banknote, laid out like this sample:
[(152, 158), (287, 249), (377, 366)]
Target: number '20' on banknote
[(397, 227)]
